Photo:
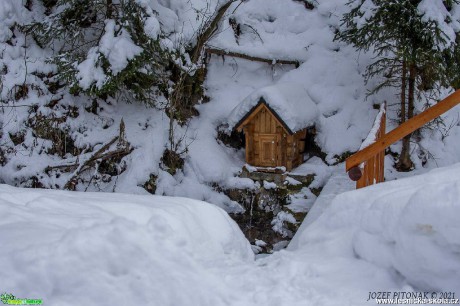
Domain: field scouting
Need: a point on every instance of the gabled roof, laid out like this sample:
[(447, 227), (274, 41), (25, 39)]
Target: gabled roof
[(290, 103), (256, 109)]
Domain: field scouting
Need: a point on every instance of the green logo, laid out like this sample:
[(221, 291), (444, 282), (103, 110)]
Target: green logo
[(6, 297), (9, 299)]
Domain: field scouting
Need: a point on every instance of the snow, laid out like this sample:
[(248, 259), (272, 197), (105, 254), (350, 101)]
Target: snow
[(89, 72), (273, 30), (278, 223), (408, 226), (10, 11), (269, 185), (316, 166), (372, 137), (367, 10), (180, 19), (338, 182), (330, 73), (289, 101), (434, 10), (119, 49), (290, 181), (152, 27), (72, 248)]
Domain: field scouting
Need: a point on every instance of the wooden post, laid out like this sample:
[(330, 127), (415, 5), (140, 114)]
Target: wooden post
[(248, 143), (279, 145), (371, 171), (289, 152), (363, 180), (381, 156), (283, 149), (371, 165)]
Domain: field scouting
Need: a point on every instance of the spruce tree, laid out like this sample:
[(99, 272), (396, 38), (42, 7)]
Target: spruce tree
[(104, 47), (415, 48)]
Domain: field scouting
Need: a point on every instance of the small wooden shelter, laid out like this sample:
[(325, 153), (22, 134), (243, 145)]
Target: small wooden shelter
[(275, 139)]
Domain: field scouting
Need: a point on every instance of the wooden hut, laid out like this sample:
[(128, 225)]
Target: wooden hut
[(275, 122)]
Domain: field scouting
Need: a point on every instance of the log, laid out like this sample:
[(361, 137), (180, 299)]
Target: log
[(355, 174), (252, 58), (88, 163)]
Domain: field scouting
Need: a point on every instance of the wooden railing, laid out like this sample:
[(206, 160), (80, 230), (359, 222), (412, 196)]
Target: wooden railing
[(374, 153), (371, 170)]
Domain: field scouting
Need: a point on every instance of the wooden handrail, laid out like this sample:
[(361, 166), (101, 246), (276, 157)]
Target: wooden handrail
[(371, 170), (403, 130)]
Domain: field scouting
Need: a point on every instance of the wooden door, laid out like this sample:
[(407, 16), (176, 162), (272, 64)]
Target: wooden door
[(267, 150)]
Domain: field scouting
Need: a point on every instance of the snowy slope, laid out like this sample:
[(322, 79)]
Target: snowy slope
[(408, 226), (275, 29), (330, 72), (81, 248), (93, 248)]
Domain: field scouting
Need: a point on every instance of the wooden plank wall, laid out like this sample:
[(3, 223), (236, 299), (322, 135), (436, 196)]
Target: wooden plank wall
[(299, 138), (265, 123), (289, 148)]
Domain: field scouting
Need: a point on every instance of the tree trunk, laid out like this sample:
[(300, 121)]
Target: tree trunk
[(405, 163), (207, 33), (189, 88), (108, 13), (403, 93)]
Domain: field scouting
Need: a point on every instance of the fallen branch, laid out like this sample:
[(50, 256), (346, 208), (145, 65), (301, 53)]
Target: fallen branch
[(69, 167), (252, 58), (71, 183), (65, 168)]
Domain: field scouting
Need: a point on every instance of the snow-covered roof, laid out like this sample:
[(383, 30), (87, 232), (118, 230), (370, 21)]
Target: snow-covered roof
[(290, 102)]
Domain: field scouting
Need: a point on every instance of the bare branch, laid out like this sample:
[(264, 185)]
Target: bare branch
[(203, 38)]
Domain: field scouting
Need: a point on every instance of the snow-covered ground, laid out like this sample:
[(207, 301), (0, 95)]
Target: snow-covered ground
[(105, 249), (73, 248)]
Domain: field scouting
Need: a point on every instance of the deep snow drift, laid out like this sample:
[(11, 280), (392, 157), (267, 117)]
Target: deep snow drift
[(408, 227), (74, 248), (105, 249)]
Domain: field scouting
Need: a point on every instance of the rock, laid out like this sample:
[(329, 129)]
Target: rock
[(266, 217)]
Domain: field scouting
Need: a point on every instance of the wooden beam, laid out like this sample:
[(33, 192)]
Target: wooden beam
[(248, 137), (252, 58), (403, 130)]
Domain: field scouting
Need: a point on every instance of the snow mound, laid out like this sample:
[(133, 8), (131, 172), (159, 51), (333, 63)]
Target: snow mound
[(273, 29), (290, 101), (409, 226), (114, 249)]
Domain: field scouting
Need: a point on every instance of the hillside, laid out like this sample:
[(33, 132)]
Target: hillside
[(52, 137), (191, 152)]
